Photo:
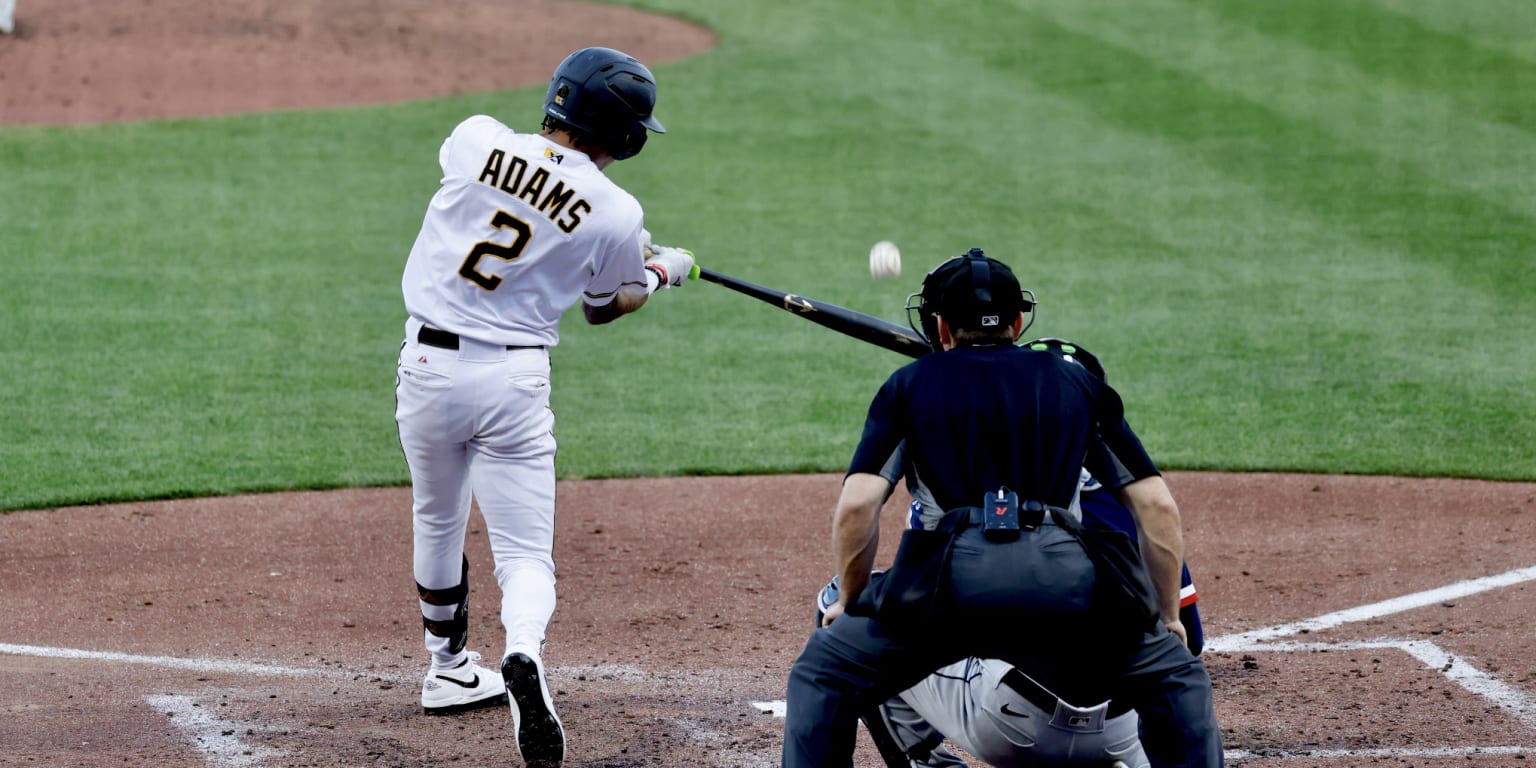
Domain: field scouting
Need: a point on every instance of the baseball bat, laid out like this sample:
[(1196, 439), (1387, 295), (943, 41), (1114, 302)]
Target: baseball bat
[(881, 333)]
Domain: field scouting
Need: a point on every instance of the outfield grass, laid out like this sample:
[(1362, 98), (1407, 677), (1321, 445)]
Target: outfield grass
[(1298, 234)]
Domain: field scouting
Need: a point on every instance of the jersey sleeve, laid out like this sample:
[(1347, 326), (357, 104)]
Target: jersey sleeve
[(1107, 468), (883, 434), (463, 153), (1119, 457), (619, 264)]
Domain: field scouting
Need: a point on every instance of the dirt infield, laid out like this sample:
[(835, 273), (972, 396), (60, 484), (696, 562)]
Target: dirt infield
[(1351, 620), (280, 630), (81, 61)]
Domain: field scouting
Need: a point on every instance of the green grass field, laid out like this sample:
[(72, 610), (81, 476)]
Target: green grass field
[(1300, 236)]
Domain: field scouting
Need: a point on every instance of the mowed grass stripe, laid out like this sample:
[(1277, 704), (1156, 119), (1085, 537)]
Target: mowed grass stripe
[(1334, 290), (1371, 267), (1419, 124), (1397, 48), (1501, 25), (209, 306), (1374, 197)]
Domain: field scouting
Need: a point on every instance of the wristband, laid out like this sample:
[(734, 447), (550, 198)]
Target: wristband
[(655, 273)]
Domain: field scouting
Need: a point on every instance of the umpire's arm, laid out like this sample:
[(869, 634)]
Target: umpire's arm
[(1161, 532), (856, 536), (1162, 543)]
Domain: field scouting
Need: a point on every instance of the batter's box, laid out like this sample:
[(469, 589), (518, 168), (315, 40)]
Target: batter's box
[(1355, 699), (1455, 685)]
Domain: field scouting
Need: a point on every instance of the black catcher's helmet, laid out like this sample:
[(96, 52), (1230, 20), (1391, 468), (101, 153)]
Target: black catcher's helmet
[(972, 291), (607, 95)]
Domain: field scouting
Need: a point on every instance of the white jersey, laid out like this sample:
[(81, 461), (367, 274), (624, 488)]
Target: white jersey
[(519, 230)]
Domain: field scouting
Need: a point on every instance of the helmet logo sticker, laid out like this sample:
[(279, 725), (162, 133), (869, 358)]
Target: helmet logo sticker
[(989, 321), (561, 94)]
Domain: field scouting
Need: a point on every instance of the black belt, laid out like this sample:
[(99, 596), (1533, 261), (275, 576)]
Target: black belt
[(1037, 695), (433, 337)]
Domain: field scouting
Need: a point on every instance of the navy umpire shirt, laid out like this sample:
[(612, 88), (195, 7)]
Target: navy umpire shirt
[(978, 417)]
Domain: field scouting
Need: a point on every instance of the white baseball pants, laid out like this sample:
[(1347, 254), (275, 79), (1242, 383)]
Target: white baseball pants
[(475, 423)]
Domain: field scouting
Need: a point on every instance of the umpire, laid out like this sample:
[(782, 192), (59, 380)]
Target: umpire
[(1000, 434)]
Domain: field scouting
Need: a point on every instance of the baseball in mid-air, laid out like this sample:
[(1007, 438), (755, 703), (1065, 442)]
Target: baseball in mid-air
[(884, 260)]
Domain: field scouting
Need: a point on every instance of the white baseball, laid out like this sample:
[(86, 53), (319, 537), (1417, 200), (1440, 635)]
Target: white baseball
[(884, 260)]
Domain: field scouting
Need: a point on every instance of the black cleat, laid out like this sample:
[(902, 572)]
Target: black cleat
[(540, 739)]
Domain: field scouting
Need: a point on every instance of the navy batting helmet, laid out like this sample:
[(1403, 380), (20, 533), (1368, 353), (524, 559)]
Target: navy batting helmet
[(972, 291), (607, 95)]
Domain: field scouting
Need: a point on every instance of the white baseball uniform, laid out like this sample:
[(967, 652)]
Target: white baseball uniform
[(520, 229)]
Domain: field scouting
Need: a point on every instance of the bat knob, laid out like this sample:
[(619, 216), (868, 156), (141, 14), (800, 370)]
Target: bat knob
[(693, 272)]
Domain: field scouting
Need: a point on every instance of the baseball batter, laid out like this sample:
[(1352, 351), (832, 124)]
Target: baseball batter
[(522, 227)]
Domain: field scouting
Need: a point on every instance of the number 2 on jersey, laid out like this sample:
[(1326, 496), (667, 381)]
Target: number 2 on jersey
[(502, 220)]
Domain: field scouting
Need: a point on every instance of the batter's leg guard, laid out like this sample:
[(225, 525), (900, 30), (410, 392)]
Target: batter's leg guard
[(456, 629)]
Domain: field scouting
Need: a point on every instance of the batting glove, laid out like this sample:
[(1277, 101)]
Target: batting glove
[(671, 265)]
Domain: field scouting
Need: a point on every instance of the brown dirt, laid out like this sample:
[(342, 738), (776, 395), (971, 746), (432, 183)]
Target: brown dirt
[(683, 601), (85, 61)]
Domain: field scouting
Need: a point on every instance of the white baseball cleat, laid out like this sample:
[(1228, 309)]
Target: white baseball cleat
[(540, 738), (464, 687)]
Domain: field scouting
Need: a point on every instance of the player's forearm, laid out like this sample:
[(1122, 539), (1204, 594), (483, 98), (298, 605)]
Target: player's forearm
[(856, 532), (1161, 538), (627, 300)]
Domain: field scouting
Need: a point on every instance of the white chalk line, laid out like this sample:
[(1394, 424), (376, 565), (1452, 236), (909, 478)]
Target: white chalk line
[(1355, 754), (620, 672), (216, 738), (1247, 640), (1455, 668), (211, 666)]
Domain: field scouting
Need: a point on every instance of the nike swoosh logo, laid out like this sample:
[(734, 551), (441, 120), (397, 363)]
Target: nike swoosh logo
[(474, 682), (1008, 711)]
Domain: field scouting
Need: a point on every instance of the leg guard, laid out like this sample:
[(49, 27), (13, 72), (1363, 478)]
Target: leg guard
[(456, 629)]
